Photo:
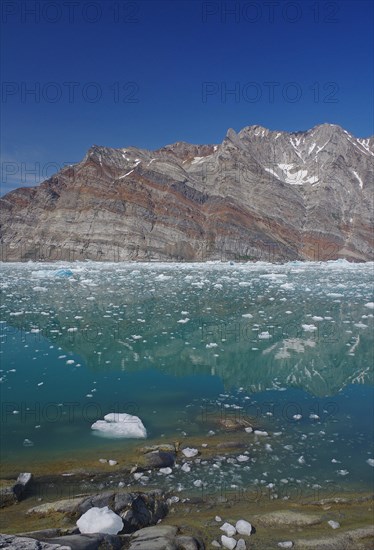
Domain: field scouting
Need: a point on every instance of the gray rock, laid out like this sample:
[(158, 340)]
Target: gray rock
[(241, 545), (65, 506), (88, 542), (14, 493), (158, 459), (13, 542), (189, 543), (161, 537)]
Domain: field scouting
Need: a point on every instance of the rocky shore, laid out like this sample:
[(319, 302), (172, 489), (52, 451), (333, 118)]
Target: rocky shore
[(155, 519)]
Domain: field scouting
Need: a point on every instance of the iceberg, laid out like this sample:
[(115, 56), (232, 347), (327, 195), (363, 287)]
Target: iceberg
[(100, 520), (63, 273), (120, 425)]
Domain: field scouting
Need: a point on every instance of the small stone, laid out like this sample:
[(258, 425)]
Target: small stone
[(243, 527), (218, 518), (112, 462), (334, 524), (228, 529), (241, 545), (228, 542), (285, 544)]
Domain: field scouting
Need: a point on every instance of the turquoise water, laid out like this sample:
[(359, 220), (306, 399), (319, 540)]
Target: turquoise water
[(180, 344)]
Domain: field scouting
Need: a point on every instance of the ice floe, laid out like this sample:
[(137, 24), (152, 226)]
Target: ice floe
[(119, 425)]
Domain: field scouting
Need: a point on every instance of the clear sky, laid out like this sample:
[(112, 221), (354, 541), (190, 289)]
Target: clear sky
[(150, 72)]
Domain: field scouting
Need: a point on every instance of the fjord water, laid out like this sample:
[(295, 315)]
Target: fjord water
[(181, 346)]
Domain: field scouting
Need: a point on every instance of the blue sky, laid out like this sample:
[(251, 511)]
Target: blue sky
[(148, 73)]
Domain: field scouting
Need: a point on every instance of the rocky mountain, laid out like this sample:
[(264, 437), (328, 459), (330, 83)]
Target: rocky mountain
[(259, 195)]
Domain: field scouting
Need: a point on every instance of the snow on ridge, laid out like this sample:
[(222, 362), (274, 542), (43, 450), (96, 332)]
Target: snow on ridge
[(359, 179)]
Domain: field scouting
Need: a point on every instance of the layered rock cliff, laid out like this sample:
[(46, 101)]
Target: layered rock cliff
[(259, 195)]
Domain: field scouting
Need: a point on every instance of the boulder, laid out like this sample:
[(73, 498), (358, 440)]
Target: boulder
[(65, 506), (14, 492), (157, 459), (163, 537), (87, 542), (137, 510)]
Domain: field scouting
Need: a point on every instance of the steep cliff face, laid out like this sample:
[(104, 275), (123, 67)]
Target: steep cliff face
[(259, 195)]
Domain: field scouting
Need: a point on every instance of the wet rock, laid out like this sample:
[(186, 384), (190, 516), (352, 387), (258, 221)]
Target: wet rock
[(287, 518), (231, 445), (157, 459), (234, 424), (167, 448)]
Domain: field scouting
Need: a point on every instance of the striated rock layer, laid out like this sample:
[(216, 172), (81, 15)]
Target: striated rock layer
[(259, 195)]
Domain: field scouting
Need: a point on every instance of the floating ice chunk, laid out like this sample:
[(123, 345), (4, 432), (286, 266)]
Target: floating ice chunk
[(248, 430), (247, 315), (63, 273), (264, 335), (211, 345), (285, 544), (189, 452), (138, 475), (261, 432), (370, 305), (242, 458), (243, 527), (309, 328), (342, 472), (370, 461), (120, 425), (229, 529), (100, 520), (316, 318), (334, 524), (301, 460), (297, 416), (28, 443), (165, 471), (182, 321), (314, 416), (185, 468), (198, 483), (228, 542)]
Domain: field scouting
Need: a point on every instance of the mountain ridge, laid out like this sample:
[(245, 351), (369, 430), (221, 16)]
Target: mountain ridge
[(259, 195)]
